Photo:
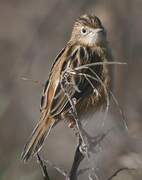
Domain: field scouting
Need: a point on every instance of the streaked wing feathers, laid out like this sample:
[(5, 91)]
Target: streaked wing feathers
[(76, 85)]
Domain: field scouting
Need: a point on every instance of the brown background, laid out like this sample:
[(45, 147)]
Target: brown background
[(32, 32)]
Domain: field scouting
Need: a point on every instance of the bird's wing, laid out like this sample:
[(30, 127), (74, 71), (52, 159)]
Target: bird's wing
[(43, 102), (76, 86)]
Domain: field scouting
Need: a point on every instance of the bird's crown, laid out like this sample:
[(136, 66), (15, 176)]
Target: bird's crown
[(89, 20)]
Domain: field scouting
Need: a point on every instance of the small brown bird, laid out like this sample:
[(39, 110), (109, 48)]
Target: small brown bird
[(79, 73)]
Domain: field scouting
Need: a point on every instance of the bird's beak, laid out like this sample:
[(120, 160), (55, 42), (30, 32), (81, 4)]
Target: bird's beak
[(95, 31), (97, 36)]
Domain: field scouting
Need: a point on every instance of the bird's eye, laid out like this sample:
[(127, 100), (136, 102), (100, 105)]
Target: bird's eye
[(84, 31)]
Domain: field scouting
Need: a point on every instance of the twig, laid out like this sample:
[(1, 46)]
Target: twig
[(81, 171), (58, 169), (101, 63), (120, 110), (43, 168), (33, 81), (117, 172)]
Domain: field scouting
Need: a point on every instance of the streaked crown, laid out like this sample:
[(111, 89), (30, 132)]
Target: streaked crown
[(91, 21)]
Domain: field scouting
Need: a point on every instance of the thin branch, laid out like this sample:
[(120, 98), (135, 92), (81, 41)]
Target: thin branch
[(58, 169), (117, 172), (120, 110), (81, 171), (43, 168), (101, 63), (33, 81)]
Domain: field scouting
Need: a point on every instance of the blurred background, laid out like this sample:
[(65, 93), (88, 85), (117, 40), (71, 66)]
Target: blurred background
[(32, 32)]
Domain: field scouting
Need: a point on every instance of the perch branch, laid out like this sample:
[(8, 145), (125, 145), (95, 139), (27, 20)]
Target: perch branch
[(78, 158)]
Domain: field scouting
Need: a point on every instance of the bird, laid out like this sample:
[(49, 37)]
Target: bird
[(79, 74)]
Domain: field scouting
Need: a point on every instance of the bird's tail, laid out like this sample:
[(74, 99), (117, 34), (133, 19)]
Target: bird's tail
[(37, 138)]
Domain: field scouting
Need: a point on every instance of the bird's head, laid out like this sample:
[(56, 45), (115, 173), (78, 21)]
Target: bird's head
[(88, 30)]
